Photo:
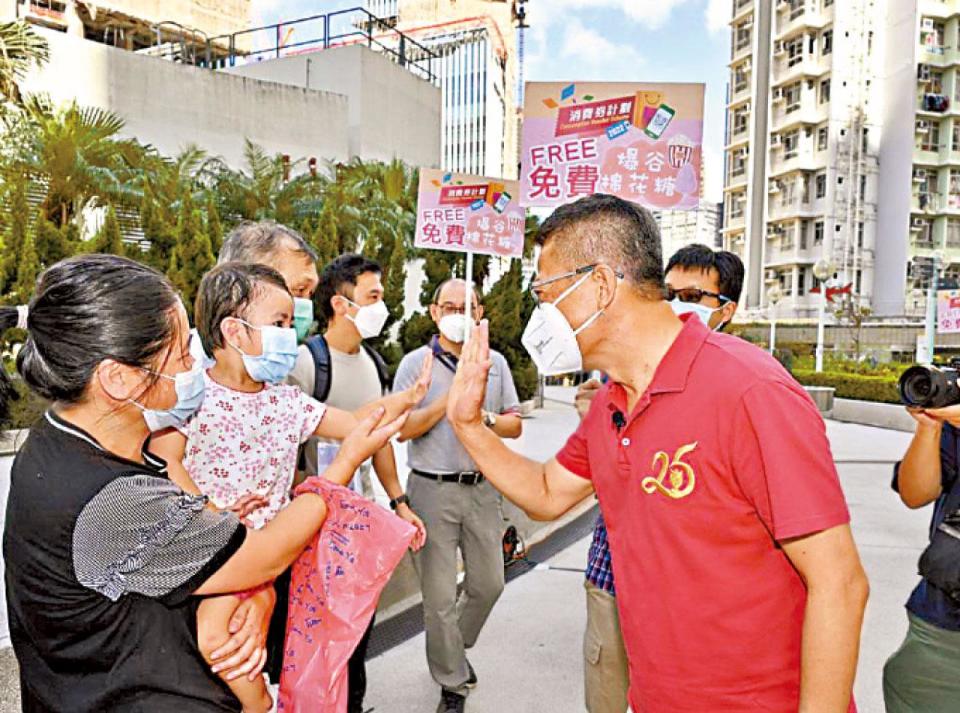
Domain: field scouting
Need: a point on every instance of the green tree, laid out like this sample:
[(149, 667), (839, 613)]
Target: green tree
[(18, 228), (213, 225), (27, 270), (52, 243), (21, 48), (156, 228), (109, 239), (192, 256)]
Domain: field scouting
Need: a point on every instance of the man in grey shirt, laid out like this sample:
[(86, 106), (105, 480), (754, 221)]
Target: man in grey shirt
[(458, 506)]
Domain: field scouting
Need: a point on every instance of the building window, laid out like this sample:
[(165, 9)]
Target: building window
[(796, 8), (736, 205), (791, 144), (863, 188), (824, 91), (794, 50), (791, 96), (743, 35), (738, 165), (801, 282), (931, 36), (858, 287), (741, 120), (822, 135), (955, 138), (930, 138), (826, 43), (740, 80), (953, 189), (821, 191), (864, 143), (804, 229), (827, 3), (953, 233), (860, 233), (818, 233)]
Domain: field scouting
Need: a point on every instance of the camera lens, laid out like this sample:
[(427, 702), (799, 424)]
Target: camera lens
[(919, 385)]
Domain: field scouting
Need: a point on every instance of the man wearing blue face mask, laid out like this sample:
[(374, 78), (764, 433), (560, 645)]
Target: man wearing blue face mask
[(705, 282)]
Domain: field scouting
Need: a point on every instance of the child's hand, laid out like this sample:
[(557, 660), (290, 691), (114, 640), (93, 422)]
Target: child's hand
[(246, 505), (367, 438), (416, 392)]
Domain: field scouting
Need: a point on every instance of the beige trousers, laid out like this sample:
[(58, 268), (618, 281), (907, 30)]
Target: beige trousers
[(605, 677)]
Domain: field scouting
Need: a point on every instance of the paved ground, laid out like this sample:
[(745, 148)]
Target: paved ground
[(528, 658)]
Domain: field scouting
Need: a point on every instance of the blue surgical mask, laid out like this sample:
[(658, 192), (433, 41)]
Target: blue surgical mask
[(302, 316), (277, 357), (703, 312), (189, 386)]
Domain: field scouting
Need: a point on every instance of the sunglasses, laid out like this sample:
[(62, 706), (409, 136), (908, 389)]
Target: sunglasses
[(693, 295)]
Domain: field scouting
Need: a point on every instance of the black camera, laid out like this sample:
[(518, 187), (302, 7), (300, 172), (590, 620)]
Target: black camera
[(928, 386)]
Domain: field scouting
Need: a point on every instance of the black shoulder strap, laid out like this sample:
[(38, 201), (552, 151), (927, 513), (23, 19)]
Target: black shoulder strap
[(383, 371), (321, 366)]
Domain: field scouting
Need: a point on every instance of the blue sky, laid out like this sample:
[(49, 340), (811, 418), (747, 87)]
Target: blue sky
[(611, 40)]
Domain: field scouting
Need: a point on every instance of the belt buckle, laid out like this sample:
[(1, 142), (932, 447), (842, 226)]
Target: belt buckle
[(460, 477)]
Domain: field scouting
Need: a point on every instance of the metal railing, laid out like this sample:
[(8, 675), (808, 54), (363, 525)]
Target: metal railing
[(353, 26)]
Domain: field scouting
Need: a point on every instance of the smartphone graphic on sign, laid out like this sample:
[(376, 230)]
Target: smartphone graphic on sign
[(660, 121)]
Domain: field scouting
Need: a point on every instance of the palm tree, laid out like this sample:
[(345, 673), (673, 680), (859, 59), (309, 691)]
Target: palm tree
[(75, 156), (20, 49)]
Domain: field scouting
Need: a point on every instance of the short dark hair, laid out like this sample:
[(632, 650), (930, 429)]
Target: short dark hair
[(601, 228), (226, 291), (729, 267), (90, 308), (339, 273), (255, 241), (436, 292)]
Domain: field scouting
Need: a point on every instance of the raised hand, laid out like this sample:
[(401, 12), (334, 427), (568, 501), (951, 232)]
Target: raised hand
[(469, 388), (368, 438), (422, 385)]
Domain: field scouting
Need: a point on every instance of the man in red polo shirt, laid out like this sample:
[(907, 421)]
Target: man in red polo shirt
[(738, 582)]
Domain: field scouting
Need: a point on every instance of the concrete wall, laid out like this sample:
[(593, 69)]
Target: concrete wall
[(171, 105), (391, 113), (898, 80)]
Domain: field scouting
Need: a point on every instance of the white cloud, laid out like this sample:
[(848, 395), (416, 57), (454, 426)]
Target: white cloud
[(594, 50), (717, 15)]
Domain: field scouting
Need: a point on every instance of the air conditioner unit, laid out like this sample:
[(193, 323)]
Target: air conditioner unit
[(775, 140), (923, 72), (774, 187), (918, 223), (771, 275), (923, 126), (926, 24), (746, 65), (778, 94), (747, 25), (919, 175), (778, 48)]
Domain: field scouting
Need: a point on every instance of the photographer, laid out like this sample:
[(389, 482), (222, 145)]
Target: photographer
[(922, 674)]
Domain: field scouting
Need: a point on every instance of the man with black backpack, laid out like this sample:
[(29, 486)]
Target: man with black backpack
[(339, 369)]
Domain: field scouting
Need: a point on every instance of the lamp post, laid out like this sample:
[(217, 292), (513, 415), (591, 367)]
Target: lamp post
[(822, 270), (930, 329), (773, 296)]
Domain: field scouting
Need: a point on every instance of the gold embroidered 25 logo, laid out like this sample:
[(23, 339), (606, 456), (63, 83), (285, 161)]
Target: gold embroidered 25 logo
[(675, 478)]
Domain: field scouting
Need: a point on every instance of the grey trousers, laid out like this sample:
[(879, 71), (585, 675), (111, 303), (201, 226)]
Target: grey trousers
[(922, 676), (468, 517), (605, 675)]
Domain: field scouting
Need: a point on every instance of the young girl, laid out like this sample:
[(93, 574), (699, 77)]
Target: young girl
[(241, 445)]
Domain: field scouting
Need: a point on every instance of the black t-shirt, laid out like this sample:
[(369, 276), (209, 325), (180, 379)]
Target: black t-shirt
[(102, 555)]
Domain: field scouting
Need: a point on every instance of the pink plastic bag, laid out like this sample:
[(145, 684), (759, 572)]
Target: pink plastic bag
[(336, 583)]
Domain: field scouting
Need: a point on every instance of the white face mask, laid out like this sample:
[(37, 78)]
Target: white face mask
[(551, 341), (370, 318), (454, 327)]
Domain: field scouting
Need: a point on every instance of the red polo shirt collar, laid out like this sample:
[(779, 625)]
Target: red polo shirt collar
[(674, 369)]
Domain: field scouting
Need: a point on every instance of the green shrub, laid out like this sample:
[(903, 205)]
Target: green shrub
[(853, 386)]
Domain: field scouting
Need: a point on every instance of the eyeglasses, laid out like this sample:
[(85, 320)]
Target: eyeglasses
[(536, 285), (693, 295), (450, 308)]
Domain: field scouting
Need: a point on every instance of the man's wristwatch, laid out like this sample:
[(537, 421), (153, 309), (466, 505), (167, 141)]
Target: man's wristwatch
[(489, 419), (398, 501)]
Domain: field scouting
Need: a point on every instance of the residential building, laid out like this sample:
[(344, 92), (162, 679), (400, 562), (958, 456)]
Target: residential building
[(477, 69), (685, 227), (802, 145), (919, 203)]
